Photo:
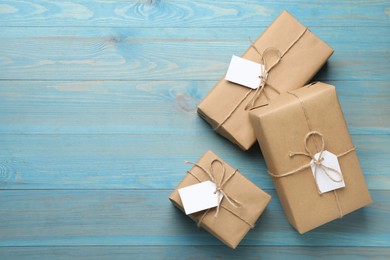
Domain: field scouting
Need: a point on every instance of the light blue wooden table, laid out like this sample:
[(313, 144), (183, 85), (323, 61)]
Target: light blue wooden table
[(98, 112)]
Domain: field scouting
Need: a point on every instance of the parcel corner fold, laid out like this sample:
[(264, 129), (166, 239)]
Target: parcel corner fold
[(281, 128), (303, 54), (231, 224)]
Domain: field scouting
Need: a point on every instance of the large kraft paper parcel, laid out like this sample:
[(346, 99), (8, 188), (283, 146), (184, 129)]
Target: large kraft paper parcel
[(232, 223), (281, 128), (304, 55)]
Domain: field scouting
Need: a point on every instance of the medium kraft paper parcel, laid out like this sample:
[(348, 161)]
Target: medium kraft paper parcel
[(242, 203), (291, 54), (298, 132)]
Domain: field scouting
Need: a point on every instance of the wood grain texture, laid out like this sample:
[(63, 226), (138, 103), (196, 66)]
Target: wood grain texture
[(191, 252), (98, 112), (152, 107), (120, 54), (118, 161), (179, 13), (146, 217)]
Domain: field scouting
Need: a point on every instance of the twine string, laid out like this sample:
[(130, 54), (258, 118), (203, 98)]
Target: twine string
[(263, 78), (219, 189), (265, 70), (218, 183), (318, 162)]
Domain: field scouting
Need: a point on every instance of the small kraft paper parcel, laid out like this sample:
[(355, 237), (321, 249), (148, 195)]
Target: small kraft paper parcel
[(220, 199), (310, 155), (285, 57)]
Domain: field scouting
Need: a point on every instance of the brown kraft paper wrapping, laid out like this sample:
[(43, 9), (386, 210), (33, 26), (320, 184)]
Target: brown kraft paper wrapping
[(281, 128), (231, 224), (304, 55)]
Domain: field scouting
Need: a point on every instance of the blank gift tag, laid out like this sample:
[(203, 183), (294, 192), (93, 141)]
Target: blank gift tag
[(199, 197), (244, 72), (324, 183)]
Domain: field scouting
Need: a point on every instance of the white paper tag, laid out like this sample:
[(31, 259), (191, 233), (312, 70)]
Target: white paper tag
[(324, 183), (199, 197), (244, 72)]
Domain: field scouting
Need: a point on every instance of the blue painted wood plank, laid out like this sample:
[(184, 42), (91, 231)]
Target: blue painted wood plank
[(344, 39), (152, 107), (146, 217), (67, 54), (179, 13), (144, 161), (104, 155), (192, 252)]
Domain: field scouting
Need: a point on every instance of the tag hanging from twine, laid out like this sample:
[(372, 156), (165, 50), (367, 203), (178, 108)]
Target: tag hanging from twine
[(318, 162), (263, 77), (219, 189)]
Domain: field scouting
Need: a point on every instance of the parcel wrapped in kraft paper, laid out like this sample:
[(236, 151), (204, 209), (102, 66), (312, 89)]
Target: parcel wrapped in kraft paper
[(292, 55), (241, 206), (296, 132)]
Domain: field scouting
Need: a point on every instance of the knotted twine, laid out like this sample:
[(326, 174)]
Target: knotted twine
[(263, 77), (318, 162), (219, 190)]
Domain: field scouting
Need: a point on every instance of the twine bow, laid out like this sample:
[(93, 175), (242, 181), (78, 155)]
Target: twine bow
[(318, 162), (218, 183), (263, 78), (265, 70), (219, 188)]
